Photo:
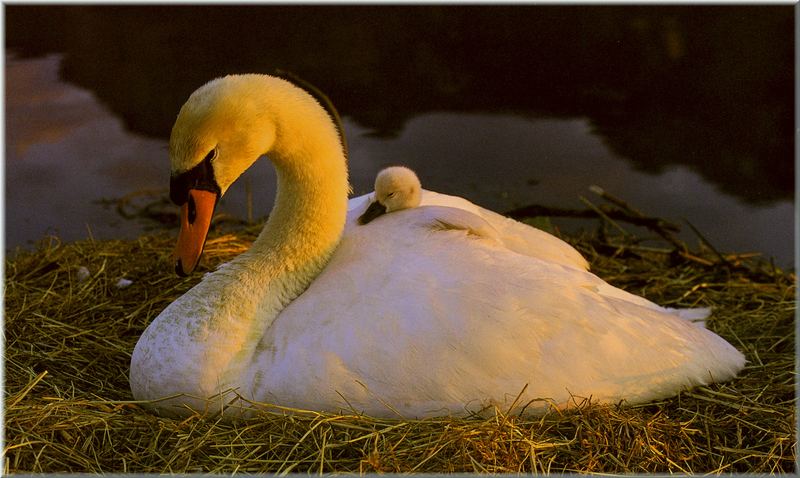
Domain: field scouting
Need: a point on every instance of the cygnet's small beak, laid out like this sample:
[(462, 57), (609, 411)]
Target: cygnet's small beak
[(374, 210), (195, 220)]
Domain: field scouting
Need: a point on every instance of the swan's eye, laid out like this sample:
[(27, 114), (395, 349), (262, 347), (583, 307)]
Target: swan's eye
[(192, 212), (391, 194), (201, 177)]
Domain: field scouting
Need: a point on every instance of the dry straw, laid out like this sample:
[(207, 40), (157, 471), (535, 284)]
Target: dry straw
[(70, 329)]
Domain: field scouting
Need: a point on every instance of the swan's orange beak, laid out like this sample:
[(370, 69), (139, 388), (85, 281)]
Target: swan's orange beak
[(195, 220)]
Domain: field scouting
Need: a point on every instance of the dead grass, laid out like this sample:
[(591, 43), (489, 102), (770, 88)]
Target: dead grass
[(68, 407)]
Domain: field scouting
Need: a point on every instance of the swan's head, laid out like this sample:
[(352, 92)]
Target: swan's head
[(223, 128), (220, 131), (396, 188)]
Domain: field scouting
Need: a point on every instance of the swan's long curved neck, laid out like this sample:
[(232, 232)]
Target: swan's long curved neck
[(302, 231), (208, 337)]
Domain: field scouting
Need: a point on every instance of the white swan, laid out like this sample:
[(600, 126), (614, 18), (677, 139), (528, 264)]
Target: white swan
[(411, 314)]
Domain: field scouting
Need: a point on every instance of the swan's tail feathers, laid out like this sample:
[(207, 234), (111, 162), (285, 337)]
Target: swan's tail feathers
[(697, 315), (728, 361)]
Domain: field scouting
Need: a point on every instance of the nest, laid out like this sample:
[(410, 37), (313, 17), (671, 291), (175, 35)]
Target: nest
[(73, 313)]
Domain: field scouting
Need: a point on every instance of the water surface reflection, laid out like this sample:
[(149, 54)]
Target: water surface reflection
[(65, 151), (684, 111)]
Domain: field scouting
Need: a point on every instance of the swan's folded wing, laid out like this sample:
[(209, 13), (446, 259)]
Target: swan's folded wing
[(442, 218), (518, 237)]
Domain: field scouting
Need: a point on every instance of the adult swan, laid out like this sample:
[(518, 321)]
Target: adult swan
[(416, 313)]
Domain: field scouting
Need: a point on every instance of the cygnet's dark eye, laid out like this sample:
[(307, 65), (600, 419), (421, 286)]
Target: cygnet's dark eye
[(391, 194)]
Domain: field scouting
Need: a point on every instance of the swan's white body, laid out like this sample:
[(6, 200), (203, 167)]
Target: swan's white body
[(439, 309)]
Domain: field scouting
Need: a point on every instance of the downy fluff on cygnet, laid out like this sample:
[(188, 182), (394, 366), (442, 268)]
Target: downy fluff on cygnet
[(396, 188)]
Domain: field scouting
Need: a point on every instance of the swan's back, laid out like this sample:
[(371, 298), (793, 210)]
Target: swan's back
[(515, 235), (474, 322)]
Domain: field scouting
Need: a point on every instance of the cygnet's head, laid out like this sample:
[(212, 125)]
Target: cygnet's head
[(396, 188)]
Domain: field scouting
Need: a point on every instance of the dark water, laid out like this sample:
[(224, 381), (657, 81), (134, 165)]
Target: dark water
[(684, 111)]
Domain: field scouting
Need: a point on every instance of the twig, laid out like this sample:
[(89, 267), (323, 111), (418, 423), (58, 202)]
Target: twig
[(534, 210), (707, 243), (604, 216), (661, 227), (693, 258), (248, 192), (22, 393), (615, 200)]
